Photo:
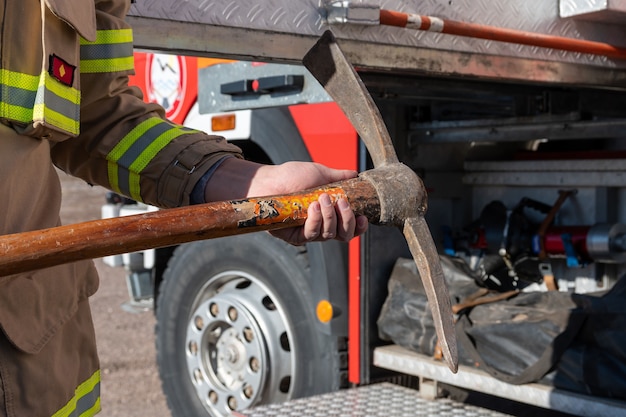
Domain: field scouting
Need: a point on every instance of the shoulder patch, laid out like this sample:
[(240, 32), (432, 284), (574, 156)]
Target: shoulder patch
[(61, 70)]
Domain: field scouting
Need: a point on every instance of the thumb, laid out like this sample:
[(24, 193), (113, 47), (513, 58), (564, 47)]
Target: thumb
[(334, 175)]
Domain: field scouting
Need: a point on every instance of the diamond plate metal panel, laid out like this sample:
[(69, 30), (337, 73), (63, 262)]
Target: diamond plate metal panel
[(577, 7), (306, 17), (276, 15), (610, 11), (379, 400)]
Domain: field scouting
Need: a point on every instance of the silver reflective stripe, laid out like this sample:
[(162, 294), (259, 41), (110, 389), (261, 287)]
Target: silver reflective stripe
[(86, 400), (57, 104), (15, 96), (88, 404), (107, 51)]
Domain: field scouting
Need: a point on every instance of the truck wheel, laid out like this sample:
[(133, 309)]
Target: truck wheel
[(236, 327)]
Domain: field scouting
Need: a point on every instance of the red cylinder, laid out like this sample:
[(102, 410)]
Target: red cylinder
[(553, 240)]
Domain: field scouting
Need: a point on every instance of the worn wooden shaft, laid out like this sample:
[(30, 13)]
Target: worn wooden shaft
[(38, 249)]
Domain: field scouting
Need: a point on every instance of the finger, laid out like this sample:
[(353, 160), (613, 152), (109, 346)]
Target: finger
[(346, 222), (329, 217), (313, 225), (361, 225)]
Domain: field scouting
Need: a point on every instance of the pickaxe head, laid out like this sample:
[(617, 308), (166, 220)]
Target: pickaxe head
[(402, 195)]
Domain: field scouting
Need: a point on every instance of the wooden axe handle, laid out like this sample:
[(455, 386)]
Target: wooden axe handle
[(22, 252)]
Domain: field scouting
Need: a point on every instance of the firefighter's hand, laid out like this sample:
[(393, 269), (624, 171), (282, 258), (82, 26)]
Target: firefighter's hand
[(236, 178), (325, 221)]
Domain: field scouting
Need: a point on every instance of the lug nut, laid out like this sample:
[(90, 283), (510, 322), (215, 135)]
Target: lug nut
[(199, 322), (248, 391), (254, 364), (213, 397), (248, 334), (232, 313), (214, 309)]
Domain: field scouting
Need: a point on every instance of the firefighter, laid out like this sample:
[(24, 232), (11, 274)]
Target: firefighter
[(65, 102)]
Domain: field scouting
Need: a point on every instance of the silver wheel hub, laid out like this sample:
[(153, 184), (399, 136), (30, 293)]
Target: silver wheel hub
[(237, 345)]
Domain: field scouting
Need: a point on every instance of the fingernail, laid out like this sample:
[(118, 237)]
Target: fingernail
[(325, 200), (315, 206)]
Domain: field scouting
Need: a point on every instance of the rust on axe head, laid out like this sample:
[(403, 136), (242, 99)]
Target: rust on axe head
[(330, 67)]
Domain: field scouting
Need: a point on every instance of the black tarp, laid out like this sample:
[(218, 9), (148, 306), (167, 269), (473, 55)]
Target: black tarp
[(570, 341)]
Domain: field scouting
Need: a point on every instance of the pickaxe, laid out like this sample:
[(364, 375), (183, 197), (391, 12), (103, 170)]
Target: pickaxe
[(390, 194)]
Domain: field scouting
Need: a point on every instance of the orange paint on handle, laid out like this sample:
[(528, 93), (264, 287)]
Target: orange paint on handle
[(290, 207)]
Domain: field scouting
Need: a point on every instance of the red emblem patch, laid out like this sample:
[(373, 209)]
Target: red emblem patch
[(61, 70)]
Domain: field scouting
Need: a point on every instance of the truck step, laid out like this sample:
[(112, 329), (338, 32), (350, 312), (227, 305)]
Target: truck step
[(402, 360), (377, 400)]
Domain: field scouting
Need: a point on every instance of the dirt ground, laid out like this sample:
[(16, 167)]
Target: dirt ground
[(130, 383)]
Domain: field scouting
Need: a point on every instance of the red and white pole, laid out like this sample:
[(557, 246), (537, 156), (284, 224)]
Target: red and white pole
[(472, 30)]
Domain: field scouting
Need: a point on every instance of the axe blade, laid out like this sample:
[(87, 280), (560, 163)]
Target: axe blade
[(426, 258), (327, 63)]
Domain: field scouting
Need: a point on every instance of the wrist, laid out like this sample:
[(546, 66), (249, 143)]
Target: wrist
[(237, 178)]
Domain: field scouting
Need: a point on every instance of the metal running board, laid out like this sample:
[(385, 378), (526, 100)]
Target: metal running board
[(398, 359), (378, 400)]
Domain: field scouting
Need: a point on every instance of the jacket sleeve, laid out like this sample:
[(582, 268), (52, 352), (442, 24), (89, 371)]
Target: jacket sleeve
[(124, 144)]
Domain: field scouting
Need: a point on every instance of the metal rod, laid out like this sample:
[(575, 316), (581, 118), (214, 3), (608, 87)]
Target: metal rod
[(472, 30)]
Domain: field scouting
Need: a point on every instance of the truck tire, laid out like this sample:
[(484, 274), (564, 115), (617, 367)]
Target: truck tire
[(236, 327)]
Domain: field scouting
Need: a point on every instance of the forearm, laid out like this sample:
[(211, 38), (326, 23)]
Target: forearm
[(231, 180), (236, 178)]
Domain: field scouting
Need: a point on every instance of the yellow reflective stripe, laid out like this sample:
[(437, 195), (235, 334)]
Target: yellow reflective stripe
[(65, 92), (19, 80), (114, 181), (86, 400), (26, 98), (112, 51), (146, 156), (110, 36), (95, 66), (40, 112), (18, 95), (136, 150), (17, 113), (122, 146)]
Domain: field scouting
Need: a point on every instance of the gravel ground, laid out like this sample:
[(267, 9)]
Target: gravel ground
[(130, 382)]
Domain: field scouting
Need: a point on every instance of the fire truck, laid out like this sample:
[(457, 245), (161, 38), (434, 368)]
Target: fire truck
[(513, 115)]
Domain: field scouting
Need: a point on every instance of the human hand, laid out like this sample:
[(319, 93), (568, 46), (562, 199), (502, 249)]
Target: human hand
[(237, 178)]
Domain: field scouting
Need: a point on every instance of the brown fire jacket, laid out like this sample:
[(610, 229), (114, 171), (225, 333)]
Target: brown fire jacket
[(74, 85), (71, 90)]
